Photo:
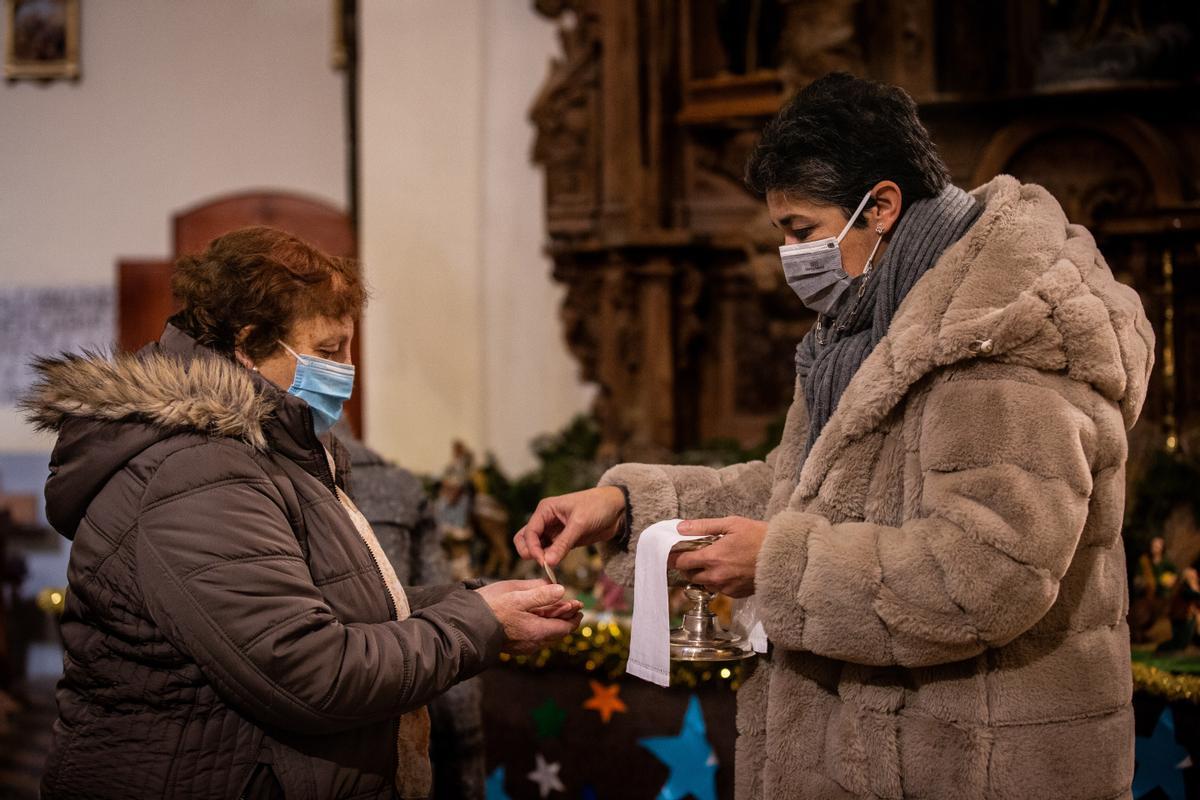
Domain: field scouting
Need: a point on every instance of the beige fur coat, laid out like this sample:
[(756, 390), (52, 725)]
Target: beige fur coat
[(943, 583)]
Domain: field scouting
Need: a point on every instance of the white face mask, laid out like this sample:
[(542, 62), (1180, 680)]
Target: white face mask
[(814, 269)]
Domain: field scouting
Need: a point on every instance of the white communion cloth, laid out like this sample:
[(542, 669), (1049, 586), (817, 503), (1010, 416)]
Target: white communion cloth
[(649, 639)]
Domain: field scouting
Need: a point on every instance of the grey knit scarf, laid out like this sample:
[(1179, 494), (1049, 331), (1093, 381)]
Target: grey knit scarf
[(825, 368)]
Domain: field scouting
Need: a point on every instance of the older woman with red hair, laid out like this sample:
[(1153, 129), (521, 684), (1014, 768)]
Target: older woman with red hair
[(232, 626)]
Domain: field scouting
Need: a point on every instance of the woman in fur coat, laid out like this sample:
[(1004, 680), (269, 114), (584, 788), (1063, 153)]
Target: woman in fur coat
[(934, 546)]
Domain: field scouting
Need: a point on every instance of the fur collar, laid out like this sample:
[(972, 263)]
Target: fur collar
[(209, 395), (1022, 286)]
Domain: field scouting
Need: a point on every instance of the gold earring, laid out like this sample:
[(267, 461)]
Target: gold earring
[(879, 229)]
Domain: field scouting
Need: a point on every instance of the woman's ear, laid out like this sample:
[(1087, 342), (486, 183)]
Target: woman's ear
[(238, 353), (889, 202)]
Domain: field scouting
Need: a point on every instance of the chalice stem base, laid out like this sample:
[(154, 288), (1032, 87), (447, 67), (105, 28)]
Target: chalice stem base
[(701, 638)]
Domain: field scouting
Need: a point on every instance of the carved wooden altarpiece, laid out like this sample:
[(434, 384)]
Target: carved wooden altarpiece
[(675, 304)]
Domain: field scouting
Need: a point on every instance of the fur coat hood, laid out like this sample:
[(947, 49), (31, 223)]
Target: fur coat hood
[(1023, 286), (108, 408)]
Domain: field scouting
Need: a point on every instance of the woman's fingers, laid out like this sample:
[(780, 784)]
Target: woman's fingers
[(529, 544), (551, 629), (544, 594), (542, 524), (692, 561), (561, 627), (562, 544), (529, 539), (705, 527), (569, 611), (563, 609)]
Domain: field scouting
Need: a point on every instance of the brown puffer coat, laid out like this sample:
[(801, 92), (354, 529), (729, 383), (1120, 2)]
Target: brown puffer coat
[(226, 624), (943, 582)]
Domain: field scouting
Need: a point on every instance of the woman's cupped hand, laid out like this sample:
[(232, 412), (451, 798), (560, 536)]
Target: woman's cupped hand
[(533, 613)]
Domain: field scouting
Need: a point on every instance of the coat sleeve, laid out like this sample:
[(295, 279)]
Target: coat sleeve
[(1006, 468), (223, 577), (658, 492)]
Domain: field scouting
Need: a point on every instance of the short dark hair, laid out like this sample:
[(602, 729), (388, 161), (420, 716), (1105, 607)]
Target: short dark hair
[(262, 277), (840, 136)]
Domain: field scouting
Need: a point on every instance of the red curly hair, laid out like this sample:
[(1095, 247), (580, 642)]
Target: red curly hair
[(263, 278)]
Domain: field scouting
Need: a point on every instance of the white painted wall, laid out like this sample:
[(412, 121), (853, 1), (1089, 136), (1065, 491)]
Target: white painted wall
[(179, 101), (462, 338), (182, 101), (532, 380)]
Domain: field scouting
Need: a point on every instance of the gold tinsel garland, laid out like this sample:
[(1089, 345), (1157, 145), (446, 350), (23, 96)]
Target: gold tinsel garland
[(1173, 686), (602, 646)]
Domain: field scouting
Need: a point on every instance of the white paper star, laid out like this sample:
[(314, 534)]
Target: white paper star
[(546, 777)]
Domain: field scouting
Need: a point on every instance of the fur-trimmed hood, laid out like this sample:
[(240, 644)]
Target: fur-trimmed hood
[(212, 395), (109, 408)]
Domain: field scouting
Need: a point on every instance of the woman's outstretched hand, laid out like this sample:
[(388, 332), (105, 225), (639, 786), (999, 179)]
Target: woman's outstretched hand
[(533, 612), (728, 564), (571, 520)]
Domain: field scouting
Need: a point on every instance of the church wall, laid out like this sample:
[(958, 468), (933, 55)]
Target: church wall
[(178, 102), (462, 338)]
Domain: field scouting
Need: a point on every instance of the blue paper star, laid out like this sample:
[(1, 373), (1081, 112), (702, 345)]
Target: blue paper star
[(494, 788), (1160, 760), (689, 756)]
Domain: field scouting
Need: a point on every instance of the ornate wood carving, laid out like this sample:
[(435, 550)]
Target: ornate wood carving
[(675, 302), (565, 113), (820, 37), (1061, 146)]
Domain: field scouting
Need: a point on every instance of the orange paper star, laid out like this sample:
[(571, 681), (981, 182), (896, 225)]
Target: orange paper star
[(604, 699)]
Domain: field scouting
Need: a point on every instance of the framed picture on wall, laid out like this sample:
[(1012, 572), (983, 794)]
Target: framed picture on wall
[(41, 39)]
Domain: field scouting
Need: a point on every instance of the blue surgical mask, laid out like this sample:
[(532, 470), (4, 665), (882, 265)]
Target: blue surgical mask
[(325, 385), (814, 269)]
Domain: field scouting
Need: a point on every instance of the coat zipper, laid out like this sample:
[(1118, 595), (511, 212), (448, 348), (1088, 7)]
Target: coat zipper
[(371, 543)]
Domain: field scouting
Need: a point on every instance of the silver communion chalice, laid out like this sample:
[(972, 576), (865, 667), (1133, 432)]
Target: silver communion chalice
[(701, 637)]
